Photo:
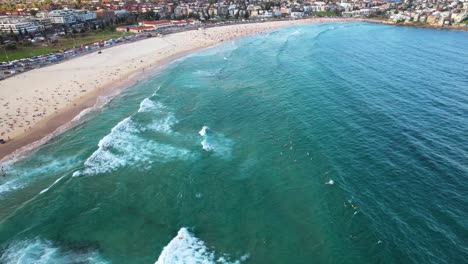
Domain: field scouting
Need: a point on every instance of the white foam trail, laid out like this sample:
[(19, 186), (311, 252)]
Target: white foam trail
[(55, 182), (330, 182), (297, 32), (206, 146), (163, 125), (39, 251), (82, 113), (186, 248), (18, 178), (216, 142), (124, 146), (11, 186), (148, 105), (202, 132)]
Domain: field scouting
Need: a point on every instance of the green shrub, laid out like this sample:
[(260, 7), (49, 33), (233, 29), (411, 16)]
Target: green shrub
[(11, 46)]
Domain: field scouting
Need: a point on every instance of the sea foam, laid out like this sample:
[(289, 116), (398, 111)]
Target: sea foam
[(216, 142), (19, 177), (186, 248), (125, 146), (40, 251), (55, 182), (148, 105)]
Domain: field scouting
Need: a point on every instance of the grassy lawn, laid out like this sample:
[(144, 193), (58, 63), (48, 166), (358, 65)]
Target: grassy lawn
[(63, 43)]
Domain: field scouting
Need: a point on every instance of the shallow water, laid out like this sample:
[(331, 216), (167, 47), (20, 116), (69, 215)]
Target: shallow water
[(331, 143)]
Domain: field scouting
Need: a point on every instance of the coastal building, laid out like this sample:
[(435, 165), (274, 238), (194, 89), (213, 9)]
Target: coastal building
[(297, 14), (84, 15), (70, 16), (19, 25), (63, 17), (156, 24)]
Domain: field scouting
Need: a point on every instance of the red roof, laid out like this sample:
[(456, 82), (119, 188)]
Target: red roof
[(159, 22)]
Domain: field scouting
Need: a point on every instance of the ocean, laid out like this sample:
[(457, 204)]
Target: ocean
[(323, 143)]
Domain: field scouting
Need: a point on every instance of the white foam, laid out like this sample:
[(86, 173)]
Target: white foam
[(202, 132), (330, 182), (124, 146), (20, 177), (11, 186), (206, 146), (297, 32), (148, 105), (216, 143), (82, 113), (186, 248), (163, 125), (55, 182), (39, 251)]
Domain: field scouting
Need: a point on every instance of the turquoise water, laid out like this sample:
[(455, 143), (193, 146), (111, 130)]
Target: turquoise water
[(330, 143)]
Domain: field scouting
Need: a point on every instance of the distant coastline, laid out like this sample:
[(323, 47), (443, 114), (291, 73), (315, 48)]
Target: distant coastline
[(417, 25)]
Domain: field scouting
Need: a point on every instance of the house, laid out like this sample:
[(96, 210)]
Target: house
[(156, 24)]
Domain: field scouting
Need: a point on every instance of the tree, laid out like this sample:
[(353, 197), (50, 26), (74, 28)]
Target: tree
[(33, 12), (11, 46)]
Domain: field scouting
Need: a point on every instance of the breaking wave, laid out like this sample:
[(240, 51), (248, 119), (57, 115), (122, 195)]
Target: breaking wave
[(125, 146), (39, 251), (216, 142), (19, 177), (186, 248)]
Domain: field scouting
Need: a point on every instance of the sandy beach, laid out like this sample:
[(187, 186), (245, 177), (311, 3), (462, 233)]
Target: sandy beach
[(36, 103)]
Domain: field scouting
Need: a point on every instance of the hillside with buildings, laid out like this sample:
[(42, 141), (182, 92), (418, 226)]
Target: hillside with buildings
[(32, 28)]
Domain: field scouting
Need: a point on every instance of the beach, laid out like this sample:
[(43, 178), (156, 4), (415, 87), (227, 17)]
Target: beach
[(310, 143), (38, 102)]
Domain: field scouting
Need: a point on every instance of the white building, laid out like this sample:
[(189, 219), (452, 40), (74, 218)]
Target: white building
[(297, 14), (70, 16), (19, 25), (62, 17)]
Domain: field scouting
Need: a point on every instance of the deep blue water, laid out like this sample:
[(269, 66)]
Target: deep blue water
[(326, 143)]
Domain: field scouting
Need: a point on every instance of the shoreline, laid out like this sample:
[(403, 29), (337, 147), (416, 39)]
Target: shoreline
[(64, 117), (176, 45)]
